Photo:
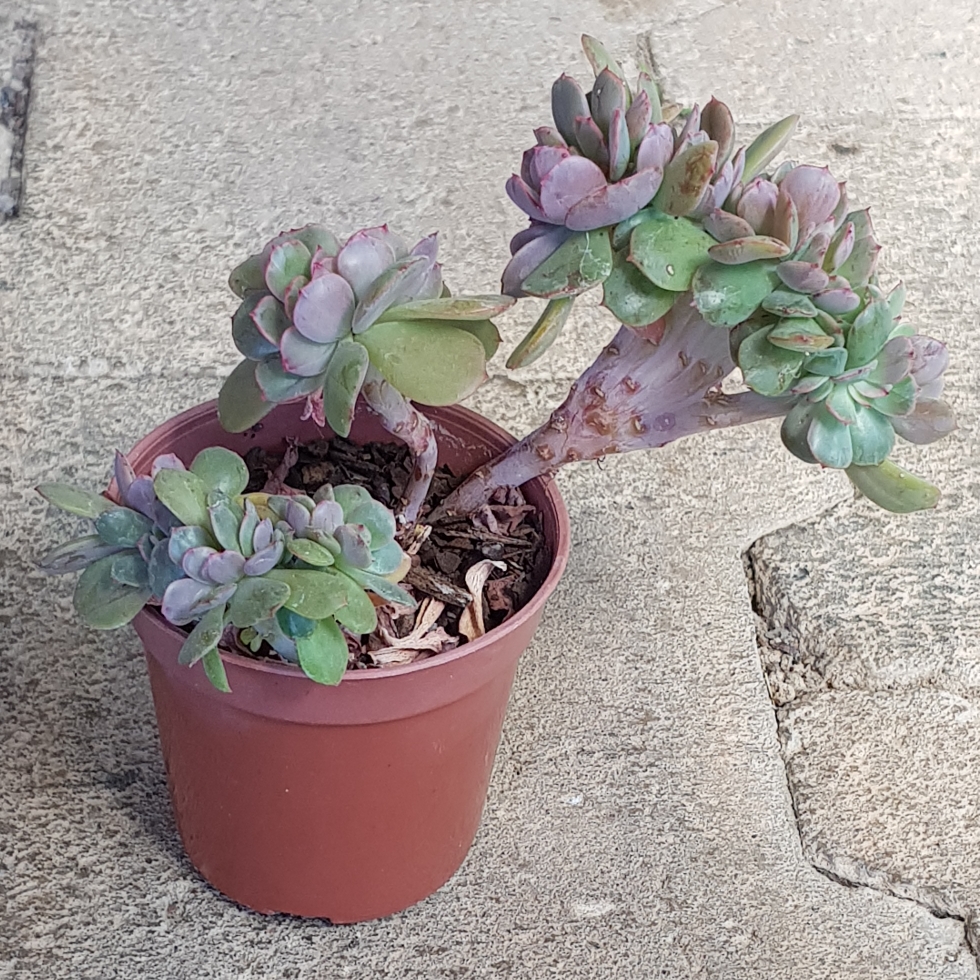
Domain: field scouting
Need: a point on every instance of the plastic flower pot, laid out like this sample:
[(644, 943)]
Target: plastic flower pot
[(348, 802)]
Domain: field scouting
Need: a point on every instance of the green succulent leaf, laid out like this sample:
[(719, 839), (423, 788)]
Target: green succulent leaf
[(685, 179), (129, 568), (344, 377), (631, 297), (829, 440), (581, 262), (381, 587), (310, 552), (294, 625), (668, 251), (323, 653), (221, 469), (214, 670), (314, 237), (103, 602), (428, 361), (893, 488), (784, 302), (248, 276), (767, 369), (485, 331), (312, 594), (161, 570), (872, 437), (226, 522), (766, 145), (278, 385), (256, 599), (451, 308), (184, 494), (799, 334), (83, 503), (794, 430), (245, 333), (359, 615), (386, 559), (599, 57), (829, 362), (122, 527), (728, 294), (241, 403), (869, 333), (544, 332), (899, 401), (289, 259), (204, 637)]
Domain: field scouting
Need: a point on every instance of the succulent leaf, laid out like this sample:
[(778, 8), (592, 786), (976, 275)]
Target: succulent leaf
[(768, 369), (631, 297), (313, 594), (893, 488), (479, 308), (122, 527), (799, 334), (766, 145), (204, 637), (685, 178), (358, 615), (241, 403), (829, 440), (567, 104), (214, 670), (221, 469), (668, 251), (739, 251), (872, 437), (103, 602), (82, 503), (342, 385), (323, 653), (582, 261), (287, 260), (184, 494), (256, 599), (278, 385), (728, 294), (544, 332)]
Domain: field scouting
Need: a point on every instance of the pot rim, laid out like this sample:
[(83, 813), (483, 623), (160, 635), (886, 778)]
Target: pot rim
[(560, 547)]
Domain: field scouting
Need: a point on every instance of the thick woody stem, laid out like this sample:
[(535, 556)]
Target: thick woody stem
[(403, 420), (638, 394)]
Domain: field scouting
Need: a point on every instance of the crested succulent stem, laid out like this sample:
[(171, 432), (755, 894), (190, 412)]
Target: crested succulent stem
[(636, 395), (404, 421)]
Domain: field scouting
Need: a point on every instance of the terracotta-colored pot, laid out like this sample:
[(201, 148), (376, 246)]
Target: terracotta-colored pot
[(348, 802)]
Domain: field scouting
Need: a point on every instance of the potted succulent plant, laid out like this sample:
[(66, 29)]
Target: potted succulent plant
[(352, 799)]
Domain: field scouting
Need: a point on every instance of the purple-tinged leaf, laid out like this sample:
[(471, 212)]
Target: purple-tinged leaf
[(717, 122), (327, 516), (304, 357), (724, 226), (297, 517), (74, 555), (591, 141), (786, 220), (124, 473), (278, 385), (612, 203), (656, 148), (894, 362), (803, 277), (619, 145), (186, 600), (609, 95), (814, 192), (364, 257), (183, 539), (262, 536), (223, 568), (567, 104), (427, 247), (692, 125), (397, 284), (193, 562), (548, 136), (530, 256), (526, 199), (322, 263), (140, 496), (166, 461), (739, 251), (638, 117), (291, 298), (836, 301), (264, 559), (929, 421), (757, 205), (325, 309), (930, 359), (355, 544)]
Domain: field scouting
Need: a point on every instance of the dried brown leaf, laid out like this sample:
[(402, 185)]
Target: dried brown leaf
[(471, 622)]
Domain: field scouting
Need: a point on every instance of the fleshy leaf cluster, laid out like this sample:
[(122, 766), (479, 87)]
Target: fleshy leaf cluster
[(315, 315), (290, 571)]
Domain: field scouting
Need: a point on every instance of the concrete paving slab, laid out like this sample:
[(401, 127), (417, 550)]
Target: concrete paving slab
[(639, 822)]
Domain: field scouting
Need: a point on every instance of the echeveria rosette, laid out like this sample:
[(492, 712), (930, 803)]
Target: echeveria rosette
[(124, 562), (859, 381), (614, 162), (315, 315), (190, 540)]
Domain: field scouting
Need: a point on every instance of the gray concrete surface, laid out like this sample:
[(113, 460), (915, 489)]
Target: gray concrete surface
[(640, 822)]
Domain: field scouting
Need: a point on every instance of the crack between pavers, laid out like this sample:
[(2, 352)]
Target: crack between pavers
[(844, 871), (15, 100)]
